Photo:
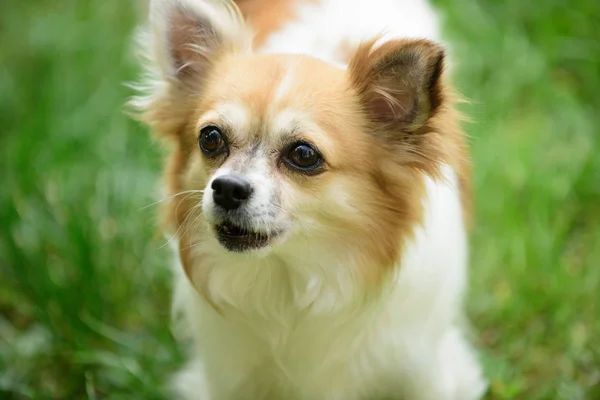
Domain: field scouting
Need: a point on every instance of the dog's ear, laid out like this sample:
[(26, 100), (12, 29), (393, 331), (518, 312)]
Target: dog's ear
[(399, 82), (184, 40), (189, 35)]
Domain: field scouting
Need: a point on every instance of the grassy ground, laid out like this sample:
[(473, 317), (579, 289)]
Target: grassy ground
[(84, 297)]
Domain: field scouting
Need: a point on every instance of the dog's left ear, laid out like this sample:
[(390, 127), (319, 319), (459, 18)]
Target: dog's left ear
[(399, 82)]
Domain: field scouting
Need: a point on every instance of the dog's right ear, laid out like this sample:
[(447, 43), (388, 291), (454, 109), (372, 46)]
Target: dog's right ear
[(179, 48), (189, 35)]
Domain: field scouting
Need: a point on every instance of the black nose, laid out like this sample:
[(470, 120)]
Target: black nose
[(230, 191)]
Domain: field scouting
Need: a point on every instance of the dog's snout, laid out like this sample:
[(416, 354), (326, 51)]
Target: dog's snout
[(230, 191)]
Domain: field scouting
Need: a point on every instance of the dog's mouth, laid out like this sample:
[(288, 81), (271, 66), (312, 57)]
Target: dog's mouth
[(239, 239)]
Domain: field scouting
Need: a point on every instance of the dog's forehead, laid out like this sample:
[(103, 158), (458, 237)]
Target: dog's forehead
[(270, 77), (275, 92)]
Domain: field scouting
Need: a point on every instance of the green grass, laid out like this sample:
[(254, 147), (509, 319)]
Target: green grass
[(84, 293)]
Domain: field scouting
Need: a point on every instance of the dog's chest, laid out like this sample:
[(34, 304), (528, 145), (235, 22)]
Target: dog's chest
[(307, 359), (295, 331)]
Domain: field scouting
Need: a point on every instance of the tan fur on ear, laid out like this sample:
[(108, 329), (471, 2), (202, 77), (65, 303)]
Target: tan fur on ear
[(399, 81), (411, 108), (184, 41), (192, 42)]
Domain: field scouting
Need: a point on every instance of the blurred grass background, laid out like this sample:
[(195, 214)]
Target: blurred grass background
[(84, 293)]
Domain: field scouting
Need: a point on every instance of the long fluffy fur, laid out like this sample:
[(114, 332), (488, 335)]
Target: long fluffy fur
[(363, 297)]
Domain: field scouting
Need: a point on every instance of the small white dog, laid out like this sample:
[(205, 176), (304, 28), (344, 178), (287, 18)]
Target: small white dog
[(319, 194)]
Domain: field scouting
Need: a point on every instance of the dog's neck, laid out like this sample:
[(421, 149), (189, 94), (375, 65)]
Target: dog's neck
[(310, 279)]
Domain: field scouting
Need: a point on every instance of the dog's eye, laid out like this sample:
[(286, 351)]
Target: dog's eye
[(303, 157), (211, 141)]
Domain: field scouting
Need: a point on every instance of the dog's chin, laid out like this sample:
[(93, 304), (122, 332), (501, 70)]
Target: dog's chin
[(239, 239)]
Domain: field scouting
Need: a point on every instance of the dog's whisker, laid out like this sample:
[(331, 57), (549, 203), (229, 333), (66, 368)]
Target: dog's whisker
[(183, 225), (171, 197)]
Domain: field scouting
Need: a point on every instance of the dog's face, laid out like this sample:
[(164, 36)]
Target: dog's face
[(270, 149), (289, 151)]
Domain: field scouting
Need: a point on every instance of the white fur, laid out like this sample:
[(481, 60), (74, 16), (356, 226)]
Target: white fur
[(285, 85), (256, 172), (322, 26), (294, 323)]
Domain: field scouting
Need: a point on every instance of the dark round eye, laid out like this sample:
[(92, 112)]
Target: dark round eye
[(211, 140), (304, 157)]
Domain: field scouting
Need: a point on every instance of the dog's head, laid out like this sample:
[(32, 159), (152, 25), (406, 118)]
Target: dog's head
[(291, 153)]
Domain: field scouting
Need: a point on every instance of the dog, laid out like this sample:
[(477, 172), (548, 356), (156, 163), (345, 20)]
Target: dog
[(318, 189)]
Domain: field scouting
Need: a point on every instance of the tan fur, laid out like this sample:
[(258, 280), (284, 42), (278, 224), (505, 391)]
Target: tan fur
[(457, 152), (380, 172), (390, 195), (441, 137), (344, 52), (327, 278), (268, 16)]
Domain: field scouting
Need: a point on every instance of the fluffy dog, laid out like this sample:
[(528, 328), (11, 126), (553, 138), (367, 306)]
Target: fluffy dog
[(318, 188)]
